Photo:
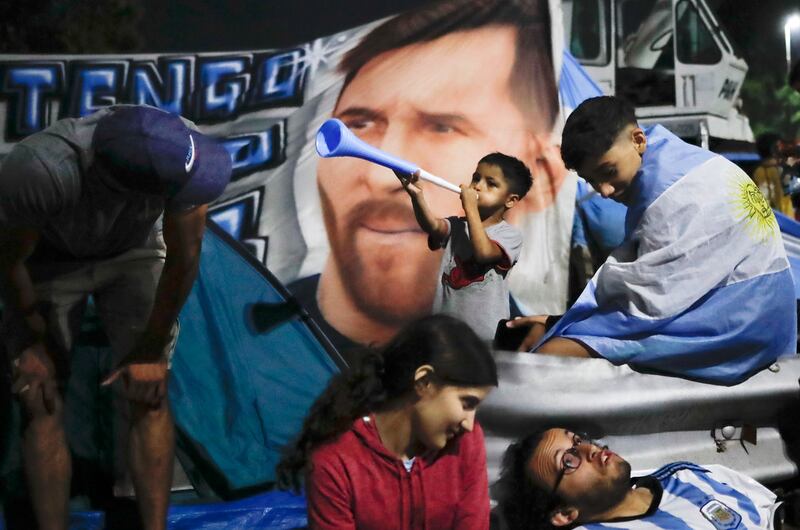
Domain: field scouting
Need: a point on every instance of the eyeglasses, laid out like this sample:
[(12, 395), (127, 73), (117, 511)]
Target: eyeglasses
[(571, 459)]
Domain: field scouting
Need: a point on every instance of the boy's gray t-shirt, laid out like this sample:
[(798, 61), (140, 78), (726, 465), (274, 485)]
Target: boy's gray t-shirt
[(476, 293), (49, 181)]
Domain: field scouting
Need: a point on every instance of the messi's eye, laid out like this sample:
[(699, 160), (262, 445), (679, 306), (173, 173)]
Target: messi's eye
[(358, 124), (442, 128)]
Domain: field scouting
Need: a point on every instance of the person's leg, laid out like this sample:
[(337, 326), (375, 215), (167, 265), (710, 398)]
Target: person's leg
[(45, 456), (124, 304), (45, 452), (151, 458)]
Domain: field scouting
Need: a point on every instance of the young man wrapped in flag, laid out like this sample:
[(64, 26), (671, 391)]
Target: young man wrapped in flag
[(700, 287)]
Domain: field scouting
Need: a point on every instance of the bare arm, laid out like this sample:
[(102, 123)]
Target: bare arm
[(434, 226), (144, 370), (16, 286), (33, 370), (564, 347), (183, 234), (484, 249), (554, 346)]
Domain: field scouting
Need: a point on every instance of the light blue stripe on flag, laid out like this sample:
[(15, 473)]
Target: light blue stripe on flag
[(701, 286), (698, 343)]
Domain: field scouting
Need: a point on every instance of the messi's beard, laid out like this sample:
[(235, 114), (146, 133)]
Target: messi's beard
[(391, 285)]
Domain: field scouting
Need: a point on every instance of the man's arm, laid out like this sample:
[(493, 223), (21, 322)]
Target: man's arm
[(554, 346), (16, 287), (34, 371), (183, 235), (145, 366), (436, 228), (564, 347), (484, 249)]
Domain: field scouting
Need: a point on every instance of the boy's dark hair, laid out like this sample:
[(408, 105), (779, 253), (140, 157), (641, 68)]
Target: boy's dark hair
[(514, 170), (794, 74), (593, 127), (767, 144), (532, 82), (523, 505)]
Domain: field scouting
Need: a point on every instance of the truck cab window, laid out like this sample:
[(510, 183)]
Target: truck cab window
[(588, 38), (695, 43)]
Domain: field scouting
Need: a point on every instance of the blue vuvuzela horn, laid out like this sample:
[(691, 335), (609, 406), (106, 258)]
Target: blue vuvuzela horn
[(335, 139)]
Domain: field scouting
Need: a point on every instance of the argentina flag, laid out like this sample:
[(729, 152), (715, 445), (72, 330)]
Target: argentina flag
[(700, 287), (696, 497)]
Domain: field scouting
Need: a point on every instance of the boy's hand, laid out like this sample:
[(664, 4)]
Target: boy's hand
[(469, 198), (537, 330), (409, 182)]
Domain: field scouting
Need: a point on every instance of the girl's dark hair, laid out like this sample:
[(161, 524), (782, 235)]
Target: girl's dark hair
[(523, 505), (381, 379)]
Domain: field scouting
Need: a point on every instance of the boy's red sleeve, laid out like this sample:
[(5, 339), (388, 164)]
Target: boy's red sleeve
[(473, 508), (509, 240), (435, 243), (504, 263)]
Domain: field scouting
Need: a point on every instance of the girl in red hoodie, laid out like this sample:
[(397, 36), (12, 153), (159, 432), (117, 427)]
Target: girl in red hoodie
[(393, 443)]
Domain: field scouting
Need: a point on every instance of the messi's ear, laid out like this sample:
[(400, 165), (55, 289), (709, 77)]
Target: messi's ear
[(563, 516), (543, 158)]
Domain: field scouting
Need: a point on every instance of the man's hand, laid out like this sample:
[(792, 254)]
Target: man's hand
[(537, 330), (409, 182), (469, 198), (34, 379), (143, 380)]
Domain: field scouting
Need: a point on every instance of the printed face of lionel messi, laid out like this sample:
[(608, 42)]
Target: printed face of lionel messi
[(433, 103)]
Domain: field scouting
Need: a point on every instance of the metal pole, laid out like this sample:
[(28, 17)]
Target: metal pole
[(788, 38)]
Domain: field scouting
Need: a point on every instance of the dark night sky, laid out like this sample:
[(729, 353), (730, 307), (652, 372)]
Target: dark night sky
[(217, 25), (756, 26), (168, 26)]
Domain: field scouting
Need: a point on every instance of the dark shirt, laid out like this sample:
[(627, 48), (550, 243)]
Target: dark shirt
[(305, 291)]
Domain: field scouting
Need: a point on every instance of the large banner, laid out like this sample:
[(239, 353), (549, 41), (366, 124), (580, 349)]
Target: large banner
[(441, 87)]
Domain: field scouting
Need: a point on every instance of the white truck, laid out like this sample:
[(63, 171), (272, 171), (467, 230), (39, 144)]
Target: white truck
[(671, 59)]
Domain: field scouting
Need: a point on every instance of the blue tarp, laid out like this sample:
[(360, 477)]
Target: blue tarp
[(275, 510)]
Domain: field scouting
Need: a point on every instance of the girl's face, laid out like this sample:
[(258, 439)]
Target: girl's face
[(444, 412)]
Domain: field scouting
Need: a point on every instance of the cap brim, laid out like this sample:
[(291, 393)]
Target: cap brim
[(211, 172)]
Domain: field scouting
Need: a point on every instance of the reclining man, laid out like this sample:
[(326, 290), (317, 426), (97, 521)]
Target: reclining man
[(556, 478), (701, 286)]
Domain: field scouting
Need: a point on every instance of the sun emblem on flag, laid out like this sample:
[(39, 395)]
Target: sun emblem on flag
[(753, 209)]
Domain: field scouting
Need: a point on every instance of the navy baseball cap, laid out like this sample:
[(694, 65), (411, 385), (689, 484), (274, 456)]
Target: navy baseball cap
[(152, 150)]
